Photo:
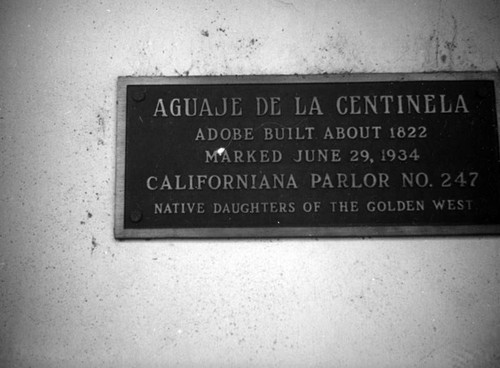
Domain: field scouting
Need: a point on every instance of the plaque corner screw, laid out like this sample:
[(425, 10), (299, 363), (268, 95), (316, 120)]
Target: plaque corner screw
[(482, 92), (139, 96), (136, 216)]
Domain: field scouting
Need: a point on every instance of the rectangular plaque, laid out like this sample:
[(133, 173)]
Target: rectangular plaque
[(297, 156)]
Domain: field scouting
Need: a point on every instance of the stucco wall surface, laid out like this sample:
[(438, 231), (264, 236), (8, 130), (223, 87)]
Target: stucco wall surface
[(72, 296)]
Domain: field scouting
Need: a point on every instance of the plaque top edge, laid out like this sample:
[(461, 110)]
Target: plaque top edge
[(309, 78)]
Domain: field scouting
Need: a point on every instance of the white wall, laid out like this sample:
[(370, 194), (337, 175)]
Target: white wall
[(72, 296)]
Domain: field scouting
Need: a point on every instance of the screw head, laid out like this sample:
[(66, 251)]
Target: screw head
[(138, 96), (482, 92), (136, 216)]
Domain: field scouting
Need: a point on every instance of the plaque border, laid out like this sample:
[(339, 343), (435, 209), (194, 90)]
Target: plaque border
[(284, 232)]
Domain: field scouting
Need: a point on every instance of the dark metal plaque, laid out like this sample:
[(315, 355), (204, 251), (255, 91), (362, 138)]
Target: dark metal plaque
[(295, 156)]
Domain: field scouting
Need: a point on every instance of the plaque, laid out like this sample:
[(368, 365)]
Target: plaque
[(308, 156)]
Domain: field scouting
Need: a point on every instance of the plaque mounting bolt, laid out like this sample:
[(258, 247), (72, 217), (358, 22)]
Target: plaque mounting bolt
[(483, 92), (136, 216), (138, 96)]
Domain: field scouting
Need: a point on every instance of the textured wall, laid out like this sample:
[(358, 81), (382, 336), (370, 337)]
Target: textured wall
[(72, 296)]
